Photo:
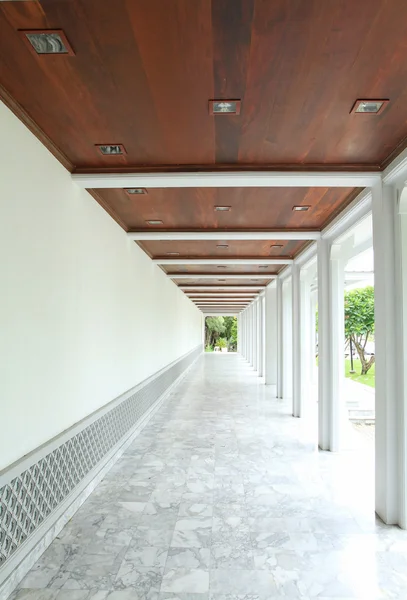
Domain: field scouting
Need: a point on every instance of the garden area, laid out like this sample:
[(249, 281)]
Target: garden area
[(221, 334)]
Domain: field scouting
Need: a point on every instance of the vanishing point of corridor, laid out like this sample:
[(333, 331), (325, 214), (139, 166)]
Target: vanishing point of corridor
[(223, 495)]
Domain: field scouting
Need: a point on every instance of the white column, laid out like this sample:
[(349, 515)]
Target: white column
[(280, 338), (239, 333), (296, 341), (337, 347), (331, 345), (261, 337), (245, 335), (271, 335), (250, 357), (390, 258), (314, 302), (287, 340), (307, 340), (324, 369), (255, 337)]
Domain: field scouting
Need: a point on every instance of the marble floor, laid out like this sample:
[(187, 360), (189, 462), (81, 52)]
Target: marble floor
[(223, 496)]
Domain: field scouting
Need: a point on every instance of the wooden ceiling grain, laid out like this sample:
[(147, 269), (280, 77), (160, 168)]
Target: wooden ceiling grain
[(218, 282), (251, 208), (235, 248), (229, 270), (144, 70)]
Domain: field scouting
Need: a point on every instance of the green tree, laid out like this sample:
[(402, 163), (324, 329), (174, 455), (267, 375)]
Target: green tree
[(233, 335), (214, 327), (359, 322)]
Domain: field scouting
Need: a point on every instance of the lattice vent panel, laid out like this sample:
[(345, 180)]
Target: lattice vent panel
[(32, 496)]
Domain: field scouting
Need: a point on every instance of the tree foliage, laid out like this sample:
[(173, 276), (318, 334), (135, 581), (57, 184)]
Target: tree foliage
[(214, 328), (359, 322), (221, 327)]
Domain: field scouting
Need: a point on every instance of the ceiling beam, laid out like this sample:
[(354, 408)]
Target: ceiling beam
[(222, 261), (222, 295), (224, 313), (255, 276), (221, 288), (233, 179), (222, 302), (222, 235)]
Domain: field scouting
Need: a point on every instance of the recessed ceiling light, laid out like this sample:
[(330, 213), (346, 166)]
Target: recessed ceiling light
[(154, 222), (373, 107), (301, 208), (276, 246), (111, 149), (47, 41), (263, 266), (222, 208), (222, 245), (135, 191), (224, 107), (171, 253)]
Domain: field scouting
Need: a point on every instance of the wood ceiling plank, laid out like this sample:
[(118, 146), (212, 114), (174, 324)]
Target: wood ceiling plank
[(230, 269), (232, 20), (224, 285), (144, 70), (241, 249), (251, 208)]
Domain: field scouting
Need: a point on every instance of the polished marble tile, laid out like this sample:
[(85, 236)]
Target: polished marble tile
[(224, 496), (194, 581)]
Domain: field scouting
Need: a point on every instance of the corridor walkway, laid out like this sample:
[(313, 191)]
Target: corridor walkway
[(224, 496)]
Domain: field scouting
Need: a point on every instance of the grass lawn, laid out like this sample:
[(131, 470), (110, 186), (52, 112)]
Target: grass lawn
[(368, 379)]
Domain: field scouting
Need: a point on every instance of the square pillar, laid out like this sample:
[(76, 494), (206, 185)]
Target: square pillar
[(251, 335), (389, 213), (280, 338), (296, 341), (287, 337), (332, 414), (308, 310), (255, 335), (271, 335), (239, 333), (245, 335), (337, 413), (261, 336), (324, 366)]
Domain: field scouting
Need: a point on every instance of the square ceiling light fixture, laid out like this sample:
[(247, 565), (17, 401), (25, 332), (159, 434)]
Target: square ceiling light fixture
[(47, 41), (373, 107), (111, 149), (172, 253), (135, 191), (154, 222), (224, 107), (275, 246), (301, 208), (222, 245), (222, 208)]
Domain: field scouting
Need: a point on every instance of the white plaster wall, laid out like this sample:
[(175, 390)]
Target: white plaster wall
[(85, 314)]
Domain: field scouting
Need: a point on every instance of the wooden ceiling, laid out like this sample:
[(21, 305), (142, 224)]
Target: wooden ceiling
[(217, 249), (250, 208), (143, 72)]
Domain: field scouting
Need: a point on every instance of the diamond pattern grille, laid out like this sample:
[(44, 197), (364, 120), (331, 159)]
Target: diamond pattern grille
[(32, 496)]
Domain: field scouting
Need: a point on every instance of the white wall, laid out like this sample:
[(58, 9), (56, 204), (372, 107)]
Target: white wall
[(85, 314)]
